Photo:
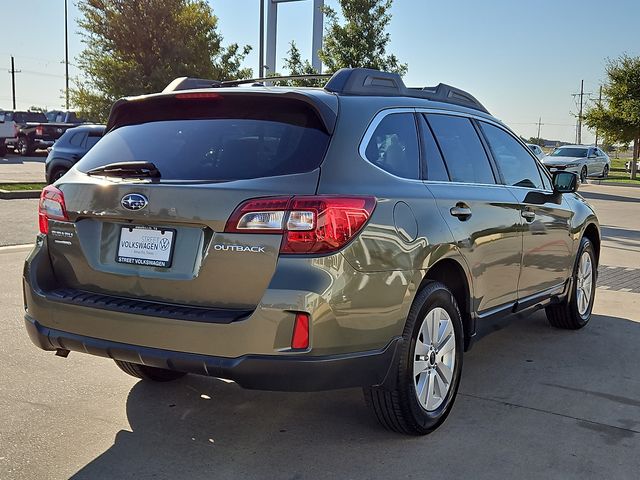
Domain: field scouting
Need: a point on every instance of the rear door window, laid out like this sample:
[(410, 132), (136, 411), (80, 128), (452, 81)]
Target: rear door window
[(516, 164), (222, 140), (464, 155), (433, 165), (394, 146)]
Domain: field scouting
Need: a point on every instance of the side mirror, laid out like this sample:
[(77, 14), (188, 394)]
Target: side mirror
[(565, 182)]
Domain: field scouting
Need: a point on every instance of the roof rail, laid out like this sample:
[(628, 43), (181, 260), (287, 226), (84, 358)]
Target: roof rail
[(365, 81), (188, 83), (448, 94), (350, 81)]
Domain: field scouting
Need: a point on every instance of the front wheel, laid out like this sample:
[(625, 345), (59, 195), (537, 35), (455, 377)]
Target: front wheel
[(429, 368), (583, 175), (605, 171), (575, 311), (148, 373)]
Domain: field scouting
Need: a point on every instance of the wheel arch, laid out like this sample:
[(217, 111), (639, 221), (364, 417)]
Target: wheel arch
[(592, 232), (452, 273)]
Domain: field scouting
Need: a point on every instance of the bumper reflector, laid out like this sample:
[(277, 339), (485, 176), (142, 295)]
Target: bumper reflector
[(300, 339)]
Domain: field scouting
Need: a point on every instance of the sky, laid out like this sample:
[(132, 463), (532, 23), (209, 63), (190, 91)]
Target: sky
[(523, 60)]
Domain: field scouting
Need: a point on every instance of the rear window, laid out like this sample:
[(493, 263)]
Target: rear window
[(225, 139), (24, 117)]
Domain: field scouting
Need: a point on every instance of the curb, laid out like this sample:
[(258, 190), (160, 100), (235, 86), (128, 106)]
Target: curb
[(612, 184), (15, 194)]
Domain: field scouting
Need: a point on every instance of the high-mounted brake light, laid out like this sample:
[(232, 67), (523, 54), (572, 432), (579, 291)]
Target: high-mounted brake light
[(51, 207), (39, 131), (309, 224), (202, 95)]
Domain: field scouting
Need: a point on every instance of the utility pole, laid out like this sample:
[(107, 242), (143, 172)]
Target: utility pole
[(66, 55), (539, 124), (13, 72), (599, 104), (261, 54), (579, 125)]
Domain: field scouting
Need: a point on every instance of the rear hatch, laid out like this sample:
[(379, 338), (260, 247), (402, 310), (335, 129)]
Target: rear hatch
[(146, 208)]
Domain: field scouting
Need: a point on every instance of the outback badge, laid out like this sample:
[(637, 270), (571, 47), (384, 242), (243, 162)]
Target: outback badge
[(134, 201)]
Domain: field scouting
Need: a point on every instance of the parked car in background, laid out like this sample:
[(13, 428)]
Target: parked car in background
[(586, 161), (33, 131), (536, 150), (62, 116), (70, 148), (7, 131), (627, 166)]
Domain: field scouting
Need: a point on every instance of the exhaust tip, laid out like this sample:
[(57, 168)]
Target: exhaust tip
[(62, 352)]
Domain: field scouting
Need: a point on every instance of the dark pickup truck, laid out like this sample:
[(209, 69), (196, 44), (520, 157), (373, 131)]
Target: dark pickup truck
[(32, 131)]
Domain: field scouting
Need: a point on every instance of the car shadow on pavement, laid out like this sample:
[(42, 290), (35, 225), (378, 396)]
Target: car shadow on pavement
[(200, 427), (37, 157)]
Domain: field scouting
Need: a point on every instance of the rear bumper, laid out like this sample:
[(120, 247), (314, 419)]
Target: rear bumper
[(263, 372)]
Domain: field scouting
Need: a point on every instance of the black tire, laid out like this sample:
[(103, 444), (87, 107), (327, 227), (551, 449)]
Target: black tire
[(3, 148), (567, 315), (57, 173), (23, 147), (583, 175), (149, 373), (605, 171), (399, 409)]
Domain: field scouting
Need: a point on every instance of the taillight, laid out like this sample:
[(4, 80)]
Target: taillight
[(309, 224), (39, 131), (51, 207)]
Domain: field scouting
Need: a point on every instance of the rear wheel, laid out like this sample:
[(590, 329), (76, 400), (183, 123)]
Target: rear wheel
[(57, 173), (24, 147), (3, 148), (428, 373), (583, 175), (575, 311), (149, 373)]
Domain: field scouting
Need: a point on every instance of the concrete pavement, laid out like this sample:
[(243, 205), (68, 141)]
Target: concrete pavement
[(14, 168), (535, 402)]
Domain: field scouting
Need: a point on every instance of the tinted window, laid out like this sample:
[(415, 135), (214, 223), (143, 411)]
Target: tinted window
[(517, 166), (394, 146), (434, 168), (247, 138), (24, 117), (77, 139), (91, 141), (463, 152)]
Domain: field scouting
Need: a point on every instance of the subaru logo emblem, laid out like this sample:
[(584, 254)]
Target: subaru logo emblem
[(134, 201)]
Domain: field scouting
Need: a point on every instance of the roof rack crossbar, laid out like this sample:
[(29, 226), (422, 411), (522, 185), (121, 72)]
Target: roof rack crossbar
[(448, 94)]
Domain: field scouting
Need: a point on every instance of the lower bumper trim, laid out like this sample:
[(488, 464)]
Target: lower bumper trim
[(261, 372)]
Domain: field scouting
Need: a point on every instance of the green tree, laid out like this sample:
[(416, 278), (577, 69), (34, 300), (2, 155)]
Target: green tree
[(355, 38), (132, 48), (536, 141), (618, 116)]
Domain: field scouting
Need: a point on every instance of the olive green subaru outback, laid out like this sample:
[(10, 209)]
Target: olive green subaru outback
[(363, 234)]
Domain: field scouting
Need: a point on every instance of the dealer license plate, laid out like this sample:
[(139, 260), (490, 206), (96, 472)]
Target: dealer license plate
[(150, 246)]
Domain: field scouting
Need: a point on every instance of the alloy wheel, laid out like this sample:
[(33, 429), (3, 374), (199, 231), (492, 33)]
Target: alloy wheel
[(434, 359), (584, 283)]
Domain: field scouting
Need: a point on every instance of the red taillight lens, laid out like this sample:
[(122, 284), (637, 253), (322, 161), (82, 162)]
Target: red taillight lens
[(52, 207), (300, 339), (39, 131), (310, 224)]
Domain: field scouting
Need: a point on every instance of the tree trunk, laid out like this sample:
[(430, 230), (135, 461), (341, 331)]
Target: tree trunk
[(634, 160)]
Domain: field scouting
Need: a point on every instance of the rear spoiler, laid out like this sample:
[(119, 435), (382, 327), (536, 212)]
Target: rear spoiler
[(134, 110)]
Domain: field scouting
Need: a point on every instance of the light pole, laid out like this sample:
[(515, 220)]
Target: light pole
[(261, 54), (66, 56)]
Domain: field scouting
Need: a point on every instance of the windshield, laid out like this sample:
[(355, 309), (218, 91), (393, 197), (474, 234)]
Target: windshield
[(570, 152), (215, 149)]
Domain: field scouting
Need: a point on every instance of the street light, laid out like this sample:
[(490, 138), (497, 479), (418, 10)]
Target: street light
[(66, 56)]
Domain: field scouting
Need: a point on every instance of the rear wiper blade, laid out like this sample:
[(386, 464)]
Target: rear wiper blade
[(127, 169)]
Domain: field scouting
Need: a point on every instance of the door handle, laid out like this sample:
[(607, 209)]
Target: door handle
[(461, 211), (528, 215)]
